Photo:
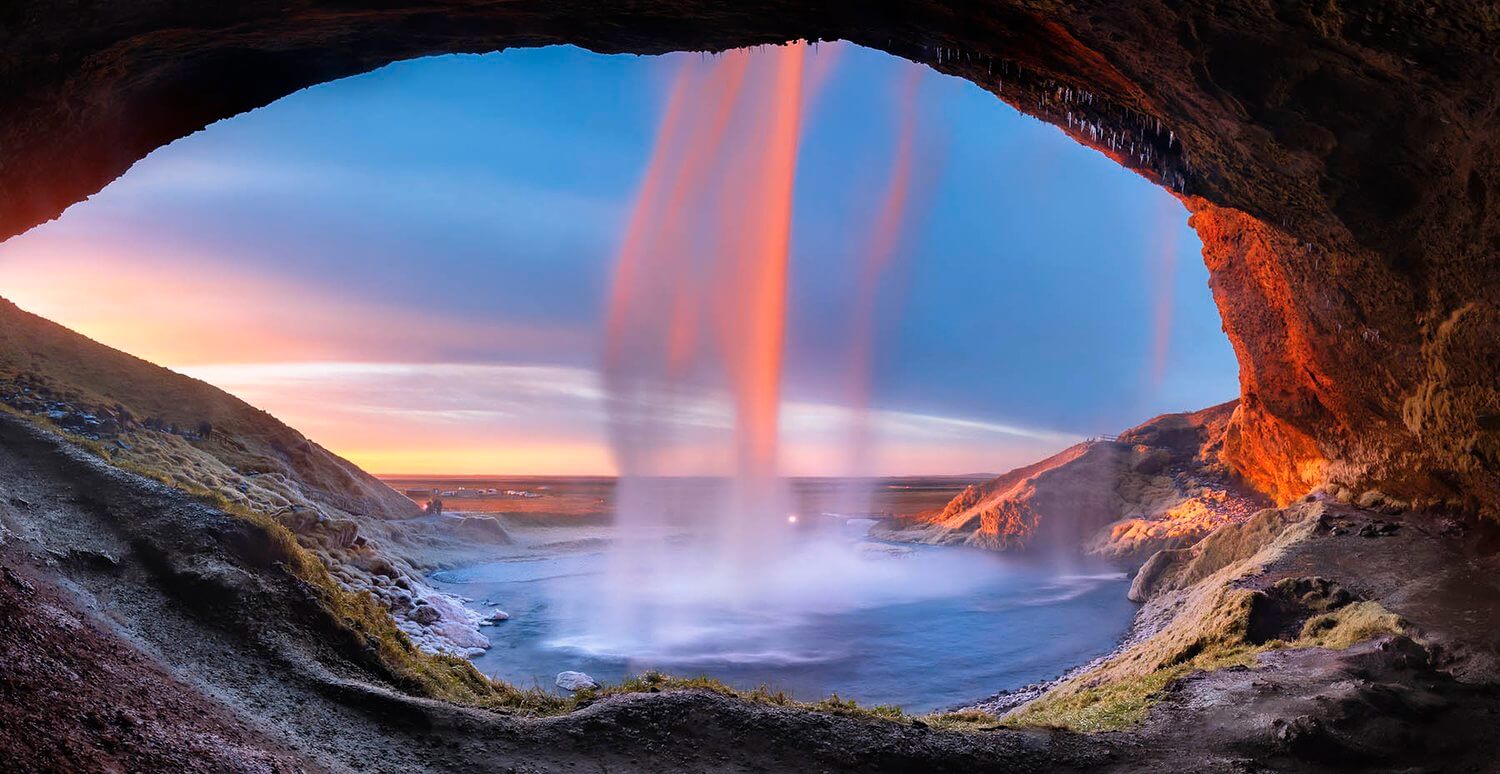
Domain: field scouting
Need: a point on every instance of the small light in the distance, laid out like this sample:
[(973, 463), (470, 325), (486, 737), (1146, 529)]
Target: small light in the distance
[(791, 519)]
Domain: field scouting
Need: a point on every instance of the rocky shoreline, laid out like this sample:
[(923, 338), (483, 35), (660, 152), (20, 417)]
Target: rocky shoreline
[(1003, 703)]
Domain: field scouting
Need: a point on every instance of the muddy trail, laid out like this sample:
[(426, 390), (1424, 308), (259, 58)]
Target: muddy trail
[(146, 631)]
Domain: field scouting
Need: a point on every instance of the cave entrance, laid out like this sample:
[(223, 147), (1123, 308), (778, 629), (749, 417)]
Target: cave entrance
[(413, 266)]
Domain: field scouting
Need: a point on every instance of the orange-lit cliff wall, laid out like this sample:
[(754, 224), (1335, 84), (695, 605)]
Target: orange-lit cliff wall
[(1341, 384)]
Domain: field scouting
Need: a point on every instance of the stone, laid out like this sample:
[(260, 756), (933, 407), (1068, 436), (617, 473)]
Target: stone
[(1155, 572), (874, 550), (426, 615), (495, 618), (575, 681), (342, 531), (484, 529), (1376, 529)]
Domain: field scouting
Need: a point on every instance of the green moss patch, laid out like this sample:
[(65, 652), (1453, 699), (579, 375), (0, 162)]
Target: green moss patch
[(962, 720), (1124, 699)]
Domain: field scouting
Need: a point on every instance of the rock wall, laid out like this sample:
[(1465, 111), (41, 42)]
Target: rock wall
[(1342, 163)]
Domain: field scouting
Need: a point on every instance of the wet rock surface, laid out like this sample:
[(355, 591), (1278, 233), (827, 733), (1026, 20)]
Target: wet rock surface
[(75, 697), (1377, 706)]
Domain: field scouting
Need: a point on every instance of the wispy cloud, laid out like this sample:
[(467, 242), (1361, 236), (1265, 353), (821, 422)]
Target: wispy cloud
[(466, 418), (185, 309), (480, 200)]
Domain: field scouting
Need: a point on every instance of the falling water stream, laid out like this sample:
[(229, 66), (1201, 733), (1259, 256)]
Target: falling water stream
[(707, 565), (699, 305)]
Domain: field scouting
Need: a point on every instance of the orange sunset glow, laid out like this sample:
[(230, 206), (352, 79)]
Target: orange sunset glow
[(485, 342)]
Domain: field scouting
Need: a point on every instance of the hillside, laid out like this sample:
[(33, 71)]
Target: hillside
[(103, 394), (1158, 485), (204, 441)]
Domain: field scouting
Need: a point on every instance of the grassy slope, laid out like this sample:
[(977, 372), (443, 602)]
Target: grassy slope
[(246, 443)]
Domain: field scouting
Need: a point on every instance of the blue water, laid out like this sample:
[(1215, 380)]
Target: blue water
[(927, 628)]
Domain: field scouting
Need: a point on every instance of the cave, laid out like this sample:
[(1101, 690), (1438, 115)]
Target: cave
[(1338, 163), (1338, 166)]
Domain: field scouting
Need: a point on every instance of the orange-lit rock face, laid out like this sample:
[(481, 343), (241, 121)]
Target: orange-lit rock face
[(1274, 457), (1160, 485), (1343, 164), (1342, 383)]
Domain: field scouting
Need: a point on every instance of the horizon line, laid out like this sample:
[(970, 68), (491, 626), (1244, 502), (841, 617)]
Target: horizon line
[(384, 476)]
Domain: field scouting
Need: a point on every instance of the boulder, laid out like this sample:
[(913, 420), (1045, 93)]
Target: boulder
[(426, 615), (1155, 572), (575, 681), (343, 532), (495, 618), (484, 529)]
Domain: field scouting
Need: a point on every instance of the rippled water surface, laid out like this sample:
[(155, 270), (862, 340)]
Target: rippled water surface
[(922, 627)]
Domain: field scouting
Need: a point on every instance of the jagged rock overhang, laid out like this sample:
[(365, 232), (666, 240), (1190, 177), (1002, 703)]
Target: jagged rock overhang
[(1341, 165)]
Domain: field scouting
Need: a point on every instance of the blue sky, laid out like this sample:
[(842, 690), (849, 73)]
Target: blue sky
[(463, 212)]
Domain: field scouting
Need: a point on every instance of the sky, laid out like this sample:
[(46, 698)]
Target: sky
[(412, 267)]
